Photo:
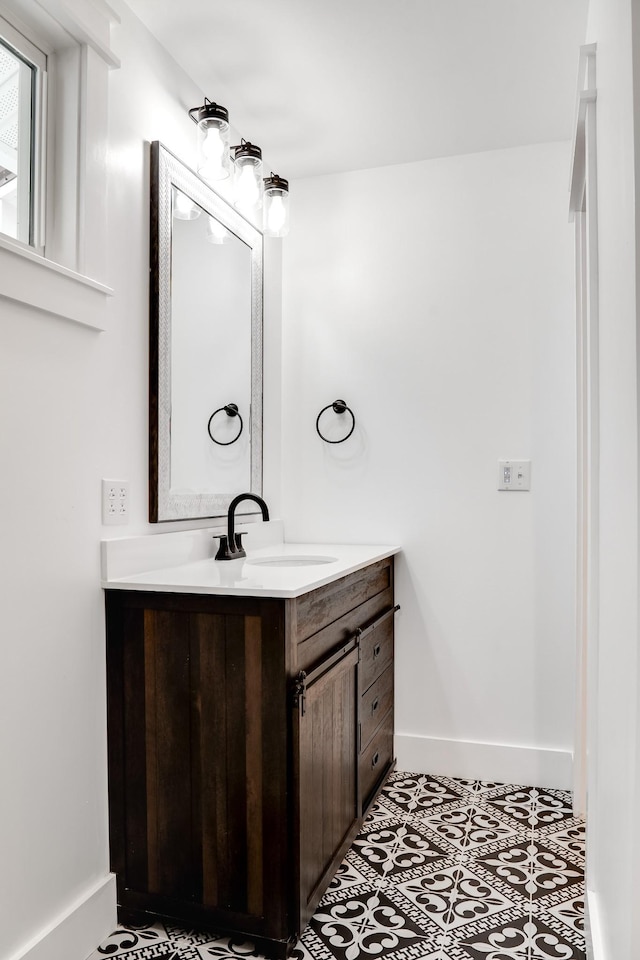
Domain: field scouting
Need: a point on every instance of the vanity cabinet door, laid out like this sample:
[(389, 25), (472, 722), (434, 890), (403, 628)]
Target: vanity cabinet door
[(326, 718), (198, 761)]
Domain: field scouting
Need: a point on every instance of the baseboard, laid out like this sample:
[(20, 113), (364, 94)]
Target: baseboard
[(76, 933), (532, 766), (593, 928)]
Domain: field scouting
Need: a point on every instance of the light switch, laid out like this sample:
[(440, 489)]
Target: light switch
[(514, 474)]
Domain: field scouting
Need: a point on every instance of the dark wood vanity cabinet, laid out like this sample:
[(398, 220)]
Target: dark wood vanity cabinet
[(247, 738)]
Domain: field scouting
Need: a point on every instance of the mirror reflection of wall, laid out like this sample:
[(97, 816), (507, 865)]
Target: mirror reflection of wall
[(211, 353)]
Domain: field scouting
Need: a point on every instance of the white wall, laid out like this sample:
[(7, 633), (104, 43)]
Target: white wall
[(436, 298), (74, 409), (459, 312), (613, 834)]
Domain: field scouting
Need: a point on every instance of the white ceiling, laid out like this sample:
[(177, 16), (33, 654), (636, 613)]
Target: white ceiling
[(330, 85)]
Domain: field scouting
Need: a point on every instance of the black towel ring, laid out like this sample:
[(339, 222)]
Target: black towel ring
[(339, 407), (231, 410)]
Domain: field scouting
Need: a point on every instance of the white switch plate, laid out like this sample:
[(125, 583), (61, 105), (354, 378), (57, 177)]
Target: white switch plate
[(115, 502), (514, 474)]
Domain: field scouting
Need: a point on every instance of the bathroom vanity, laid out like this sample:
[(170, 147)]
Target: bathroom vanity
[(250, 712)]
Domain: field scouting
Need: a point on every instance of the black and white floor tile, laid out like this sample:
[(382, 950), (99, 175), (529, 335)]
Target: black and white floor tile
[(444, 869)]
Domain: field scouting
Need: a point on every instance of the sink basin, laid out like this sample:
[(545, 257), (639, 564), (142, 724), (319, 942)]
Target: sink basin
[(298, 560)]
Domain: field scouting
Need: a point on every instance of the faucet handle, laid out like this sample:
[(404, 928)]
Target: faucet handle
[(223, 550), (239, 549), (227, 551)]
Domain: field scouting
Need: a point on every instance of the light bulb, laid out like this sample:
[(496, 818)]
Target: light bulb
[(213, 140), (276, 206), (247, 187), (213, 153), (183, 207), (215, 232), (276, 216)]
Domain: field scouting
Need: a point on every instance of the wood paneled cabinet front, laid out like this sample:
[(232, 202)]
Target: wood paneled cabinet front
[(247, 738)]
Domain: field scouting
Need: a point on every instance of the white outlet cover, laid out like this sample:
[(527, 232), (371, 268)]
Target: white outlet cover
[(115, 502)]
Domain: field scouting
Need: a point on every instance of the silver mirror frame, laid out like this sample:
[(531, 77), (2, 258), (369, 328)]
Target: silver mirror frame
[(167, 171)]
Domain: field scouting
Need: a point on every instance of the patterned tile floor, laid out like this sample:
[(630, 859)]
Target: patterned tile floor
[(444, 869)]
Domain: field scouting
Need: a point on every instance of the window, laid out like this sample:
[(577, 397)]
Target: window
[(55, 59), (22, 77)]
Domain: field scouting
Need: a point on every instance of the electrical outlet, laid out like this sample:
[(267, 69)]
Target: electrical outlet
[(115, 502)]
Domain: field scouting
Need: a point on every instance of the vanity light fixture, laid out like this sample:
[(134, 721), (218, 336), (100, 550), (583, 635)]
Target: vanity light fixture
[(213, 161), (276, 206), (247, 179), (251, 191)]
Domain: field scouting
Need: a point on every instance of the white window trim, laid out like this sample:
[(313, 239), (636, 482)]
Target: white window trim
[(69, 280), (37, 59)]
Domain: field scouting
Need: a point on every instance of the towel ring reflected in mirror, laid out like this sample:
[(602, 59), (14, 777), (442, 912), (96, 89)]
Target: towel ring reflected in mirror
[(231, 410)]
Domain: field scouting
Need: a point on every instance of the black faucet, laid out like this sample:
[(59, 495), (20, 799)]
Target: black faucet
[(231, 546)]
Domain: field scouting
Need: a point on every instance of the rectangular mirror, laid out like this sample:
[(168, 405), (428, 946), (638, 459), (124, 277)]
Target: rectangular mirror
[(205, 347)]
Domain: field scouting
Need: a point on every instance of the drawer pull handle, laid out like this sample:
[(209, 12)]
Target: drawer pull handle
[(374, 705), (374, 759), (376, 651)]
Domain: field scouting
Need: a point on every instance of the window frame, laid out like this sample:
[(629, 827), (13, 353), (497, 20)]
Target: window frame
[(63, 274), (25, 49)]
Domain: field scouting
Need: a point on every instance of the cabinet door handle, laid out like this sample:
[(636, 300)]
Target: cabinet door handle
[(374, 759), (376, 651), (299, 691), (374, 705)]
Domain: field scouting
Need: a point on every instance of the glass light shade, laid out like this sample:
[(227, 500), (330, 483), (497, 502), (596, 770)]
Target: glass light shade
[(214, 162), (276, 206), (183, 206), (247, 186), (215, 232)]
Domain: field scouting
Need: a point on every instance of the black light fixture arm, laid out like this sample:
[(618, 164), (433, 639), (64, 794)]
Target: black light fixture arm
[(207, 110), (246, 149)]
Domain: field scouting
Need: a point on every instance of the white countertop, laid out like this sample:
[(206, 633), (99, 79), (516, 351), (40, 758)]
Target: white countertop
[(243, 577)]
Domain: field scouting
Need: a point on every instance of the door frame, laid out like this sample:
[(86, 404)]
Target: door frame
[(583, 211)]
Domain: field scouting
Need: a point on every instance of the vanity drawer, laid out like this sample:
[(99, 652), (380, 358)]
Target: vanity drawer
[(376, 653), (323, 606), (375, 704), (314, 648), (376, 758)]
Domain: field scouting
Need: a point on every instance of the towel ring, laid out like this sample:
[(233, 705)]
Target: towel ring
[(231, 410), (339, 407)]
